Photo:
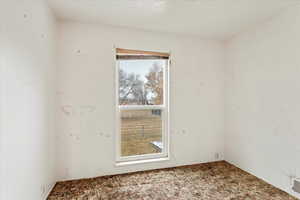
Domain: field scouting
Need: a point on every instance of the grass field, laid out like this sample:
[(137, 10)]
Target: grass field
[(137, 133)]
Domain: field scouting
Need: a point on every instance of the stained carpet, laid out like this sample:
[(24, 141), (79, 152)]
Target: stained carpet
[(210, 181)]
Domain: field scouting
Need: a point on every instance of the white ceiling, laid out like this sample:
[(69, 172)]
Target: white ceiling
[(218, 19)]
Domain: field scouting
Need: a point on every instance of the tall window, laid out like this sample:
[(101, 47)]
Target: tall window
[(142, 112)]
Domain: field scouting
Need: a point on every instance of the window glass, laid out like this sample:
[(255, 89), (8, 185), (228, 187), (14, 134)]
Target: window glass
[(141, 82), (141, 132)]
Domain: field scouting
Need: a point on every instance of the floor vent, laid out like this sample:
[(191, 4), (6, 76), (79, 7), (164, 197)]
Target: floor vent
[(296, 186)]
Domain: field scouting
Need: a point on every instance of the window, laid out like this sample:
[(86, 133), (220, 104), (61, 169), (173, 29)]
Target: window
[(142, 106)]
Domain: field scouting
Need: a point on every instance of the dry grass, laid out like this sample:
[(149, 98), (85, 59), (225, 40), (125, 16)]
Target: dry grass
[(137, 133)]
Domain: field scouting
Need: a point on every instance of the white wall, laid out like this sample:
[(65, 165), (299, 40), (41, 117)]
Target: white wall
[(262, 100), (1, 103), (86, 80), (28, 99)]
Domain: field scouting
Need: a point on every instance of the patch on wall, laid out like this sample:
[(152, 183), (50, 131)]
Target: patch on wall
[(296, 187)]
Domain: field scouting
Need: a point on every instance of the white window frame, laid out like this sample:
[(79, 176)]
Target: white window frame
[(165, 119)]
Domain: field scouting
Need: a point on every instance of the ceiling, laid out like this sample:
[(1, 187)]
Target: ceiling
[(215, 19)]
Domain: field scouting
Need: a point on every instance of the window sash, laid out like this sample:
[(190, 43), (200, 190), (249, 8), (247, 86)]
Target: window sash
[(142, 107), (165, 85), (165, 137), (165, 119)]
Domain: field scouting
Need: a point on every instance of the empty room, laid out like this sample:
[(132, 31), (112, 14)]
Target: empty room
[(149, 99)]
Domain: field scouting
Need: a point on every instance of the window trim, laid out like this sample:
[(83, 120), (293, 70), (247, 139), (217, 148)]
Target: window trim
[(165, 119)]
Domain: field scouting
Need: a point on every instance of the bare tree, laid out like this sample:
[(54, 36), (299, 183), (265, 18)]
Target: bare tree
[(154, 83), (131, 89)]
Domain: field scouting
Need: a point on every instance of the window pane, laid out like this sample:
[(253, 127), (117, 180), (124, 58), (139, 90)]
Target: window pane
[(141, 82), (141, 132)]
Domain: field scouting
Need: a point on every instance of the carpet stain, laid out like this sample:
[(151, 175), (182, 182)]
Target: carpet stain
[(209, 181)]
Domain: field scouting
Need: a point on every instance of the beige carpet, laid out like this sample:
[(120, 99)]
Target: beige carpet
[(211, 181)]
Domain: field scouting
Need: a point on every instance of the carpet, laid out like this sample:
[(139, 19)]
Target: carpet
[(209, 181)]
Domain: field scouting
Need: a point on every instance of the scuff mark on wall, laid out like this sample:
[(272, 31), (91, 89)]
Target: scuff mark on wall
[(86, 109), (70, 110), (67, 109)]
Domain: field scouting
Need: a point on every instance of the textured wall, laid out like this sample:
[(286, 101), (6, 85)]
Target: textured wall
[(87, 98), (28, 100), (262, 100)]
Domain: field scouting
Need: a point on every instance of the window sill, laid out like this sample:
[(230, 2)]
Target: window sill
[(136, 162)]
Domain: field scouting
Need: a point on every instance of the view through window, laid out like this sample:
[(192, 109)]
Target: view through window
[(142, 106)]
